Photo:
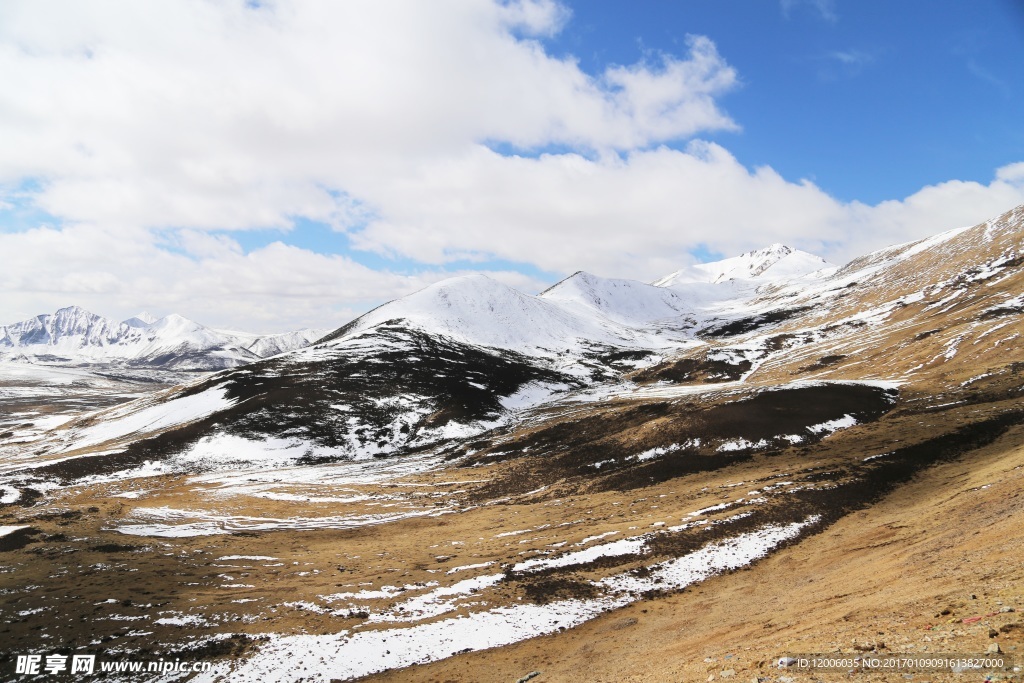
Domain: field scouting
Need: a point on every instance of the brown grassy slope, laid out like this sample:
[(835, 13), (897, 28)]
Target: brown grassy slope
[(880, 575)]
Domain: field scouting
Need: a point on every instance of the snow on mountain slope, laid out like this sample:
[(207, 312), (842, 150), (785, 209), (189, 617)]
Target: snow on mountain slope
[(141, 320), (69, 329), (943, 265), (130, 419), (946, 308), (273, 344), (75, 335), (476, 309), (625, 301), (775, 262)]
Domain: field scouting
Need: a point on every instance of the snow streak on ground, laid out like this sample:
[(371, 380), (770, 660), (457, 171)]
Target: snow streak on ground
[(161, 522), (121, 422), (348, 655)]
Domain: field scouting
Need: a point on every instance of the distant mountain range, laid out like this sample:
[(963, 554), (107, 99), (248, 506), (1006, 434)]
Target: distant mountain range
[(586, 310), (74, 335), (473, 308)]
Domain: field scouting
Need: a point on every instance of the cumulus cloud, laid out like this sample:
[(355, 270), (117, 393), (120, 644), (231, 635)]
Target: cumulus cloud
[(226, 115), (146, 130), (826, 9), (208, 277), (639, 216)]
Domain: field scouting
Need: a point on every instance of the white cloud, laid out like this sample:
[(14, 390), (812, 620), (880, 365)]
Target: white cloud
[(143, 126), (271, 289), (852, 57), (1011, 173), (638, 216), (217, 115), (826, 9)]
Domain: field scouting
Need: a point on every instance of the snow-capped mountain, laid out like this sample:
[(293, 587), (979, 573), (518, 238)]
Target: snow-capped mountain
[(75, 335), (273, 344), (455, 357), (586, 310), (143, 319), (775, 262), (626, 302), (476, 309)]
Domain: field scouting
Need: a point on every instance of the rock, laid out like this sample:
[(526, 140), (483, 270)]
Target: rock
[(728, 673), (785, 662), (992, 633), (993, 649), (625, 623), (1007, 609), (1006, 628), (532, 674)]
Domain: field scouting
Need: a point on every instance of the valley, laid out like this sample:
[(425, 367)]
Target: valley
[(608, 481)]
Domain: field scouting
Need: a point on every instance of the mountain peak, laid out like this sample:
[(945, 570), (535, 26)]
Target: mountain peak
[(775, 262), (74, 311), (143, 319), (78, 335)]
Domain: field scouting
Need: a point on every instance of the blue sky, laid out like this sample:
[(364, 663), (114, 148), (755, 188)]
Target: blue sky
[(269, 167), (870, 99)]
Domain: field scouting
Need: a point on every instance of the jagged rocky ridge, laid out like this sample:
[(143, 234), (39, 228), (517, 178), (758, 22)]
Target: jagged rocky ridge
[(75, 335)]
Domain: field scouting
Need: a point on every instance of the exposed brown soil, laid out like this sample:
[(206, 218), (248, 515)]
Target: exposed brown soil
[(902, 575)]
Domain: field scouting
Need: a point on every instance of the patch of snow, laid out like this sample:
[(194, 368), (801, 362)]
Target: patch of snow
[(346, 655), (625, 546), (130, 419), (833, 425), (182, 620), (466, 567), (438, 601), (740, 445), (591, 539)]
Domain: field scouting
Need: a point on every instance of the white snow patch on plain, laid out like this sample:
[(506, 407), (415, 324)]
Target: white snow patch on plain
[(434, 603), (741, 444), (4, 530), (653, 453), (347, 656), (531, 394), (729, 554), (466, 567), (209, 523), (183, 620), (833, 425), (591, 539), (127, 420), (8, 495), (624, 546)]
